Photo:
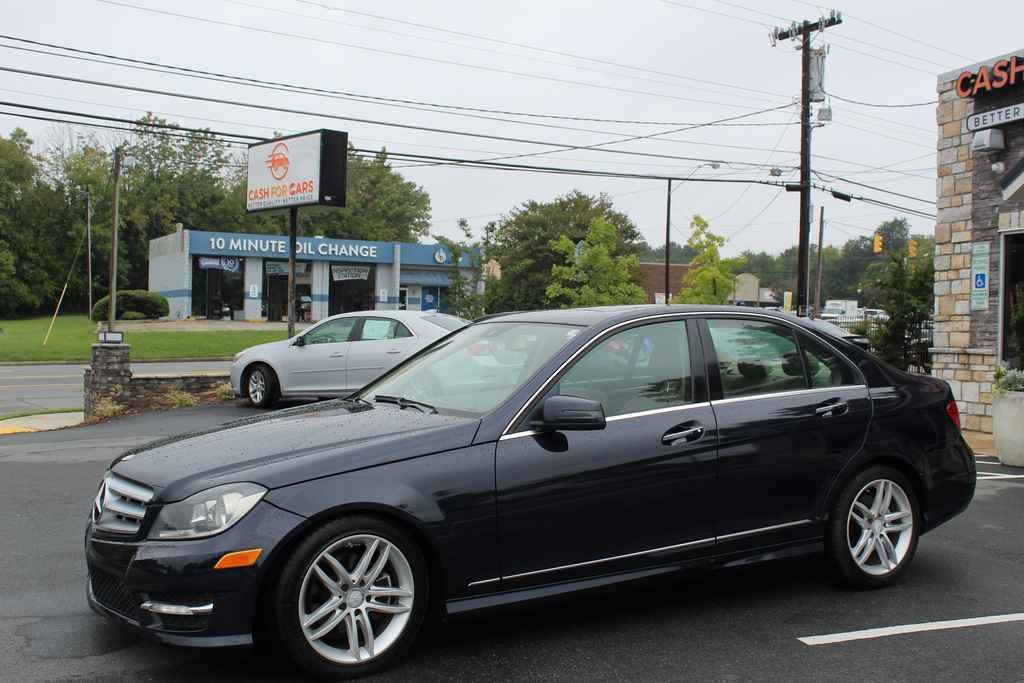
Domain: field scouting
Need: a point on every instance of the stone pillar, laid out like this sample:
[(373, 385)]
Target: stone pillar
[(108, 377)]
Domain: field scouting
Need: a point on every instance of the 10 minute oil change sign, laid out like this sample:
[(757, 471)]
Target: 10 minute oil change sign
[(299, 170)]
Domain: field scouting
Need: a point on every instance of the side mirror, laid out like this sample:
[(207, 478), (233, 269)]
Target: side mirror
[(571, 413), (300, 340)]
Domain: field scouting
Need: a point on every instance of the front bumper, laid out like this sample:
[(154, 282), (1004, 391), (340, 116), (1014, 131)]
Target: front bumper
[(236, 378), (141, 584)]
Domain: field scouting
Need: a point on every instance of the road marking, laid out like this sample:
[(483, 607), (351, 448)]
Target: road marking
[(36, 386), (887, 631), (19, 377)]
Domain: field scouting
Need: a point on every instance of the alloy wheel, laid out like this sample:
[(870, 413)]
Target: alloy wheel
[(356, 598), (257, 386), (880, 527)]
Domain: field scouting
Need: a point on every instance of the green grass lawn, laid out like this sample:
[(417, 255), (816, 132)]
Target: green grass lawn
[(73, 335)]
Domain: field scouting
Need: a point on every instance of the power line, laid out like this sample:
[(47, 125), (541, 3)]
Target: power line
[(825, 176), (339, 117), (435, 60), (342, 93), (886, 29), (757, 215), (502, 165), (929, 103), (526, 46)]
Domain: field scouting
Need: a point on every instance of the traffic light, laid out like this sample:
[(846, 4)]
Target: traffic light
[(912, 248), (878, 243)]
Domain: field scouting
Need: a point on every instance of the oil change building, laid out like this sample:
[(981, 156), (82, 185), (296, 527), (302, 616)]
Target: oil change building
[(245, 276), (979, 232)]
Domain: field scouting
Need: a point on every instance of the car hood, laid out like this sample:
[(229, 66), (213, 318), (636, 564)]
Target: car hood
[(289, 446), (268, 346)]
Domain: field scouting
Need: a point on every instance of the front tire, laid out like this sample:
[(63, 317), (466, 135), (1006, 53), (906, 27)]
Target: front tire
[(352, 598), (260, 386), (874, 527)]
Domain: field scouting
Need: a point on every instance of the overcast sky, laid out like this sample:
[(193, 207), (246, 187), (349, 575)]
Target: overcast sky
[(722, 46)]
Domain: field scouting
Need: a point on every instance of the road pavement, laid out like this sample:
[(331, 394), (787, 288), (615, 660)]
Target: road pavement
[(743, 624), (25, 388)]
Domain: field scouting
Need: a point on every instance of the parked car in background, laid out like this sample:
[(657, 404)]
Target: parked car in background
[(336, 356), (526, 456), (875, 314)]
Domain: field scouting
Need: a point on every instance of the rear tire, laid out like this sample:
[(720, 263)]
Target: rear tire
[(260, 386), (351, 598), (873, 528)]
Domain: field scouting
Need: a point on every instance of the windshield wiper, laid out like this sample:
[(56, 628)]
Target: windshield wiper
[(403, 402)]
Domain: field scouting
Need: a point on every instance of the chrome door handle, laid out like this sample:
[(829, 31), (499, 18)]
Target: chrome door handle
[(337, 355), (393, 351), (829, 410), (691, 434)]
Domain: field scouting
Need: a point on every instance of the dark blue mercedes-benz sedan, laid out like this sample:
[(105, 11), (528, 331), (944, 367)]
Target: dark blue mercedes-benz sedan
[(524, 456)]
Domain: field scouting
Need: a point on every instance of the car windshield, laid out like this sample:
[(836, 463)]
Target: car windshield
[(474, 370)]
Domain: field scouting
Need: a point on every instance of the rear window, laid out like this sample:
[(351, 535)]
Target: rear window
[(447, 322)]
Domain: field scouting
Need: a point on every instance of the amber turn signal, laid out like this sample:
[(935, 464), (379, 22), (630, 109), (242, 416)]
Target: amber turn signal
[(239, 558)]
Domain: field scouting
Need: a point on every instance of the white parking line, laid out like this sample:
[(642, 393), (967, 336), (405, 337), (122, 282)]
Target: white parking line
[(998, 475), (887, 631)]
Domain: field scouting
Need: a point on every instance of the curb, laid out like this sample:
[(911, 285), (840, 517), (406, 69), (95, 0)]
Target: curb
[(86, 361)]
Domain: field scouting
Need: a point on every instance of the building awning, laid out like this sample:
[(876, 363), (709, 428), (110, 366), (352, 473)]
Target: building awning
[(429, 278)]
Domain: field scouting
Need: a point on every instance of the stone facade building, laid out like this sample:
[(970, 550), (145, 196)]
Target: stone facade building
[(979, 232)]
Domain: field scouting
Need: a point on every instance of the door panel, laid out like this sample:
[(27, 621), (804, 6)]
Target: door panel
[(383, 343), (319, 365), (781, 442), (575, 503)]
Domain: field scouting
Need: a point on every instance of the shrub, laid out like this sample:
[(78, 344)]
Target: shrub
[(149, 305), (176, 398), (224, 392), (132, 315), (106, 408), (1009, 380)]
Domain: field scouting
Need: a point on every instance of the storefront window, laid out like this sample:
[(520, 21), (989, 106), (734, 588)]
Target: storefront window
[(352, 288), (275, 290), (217, 286), (1013, 300)]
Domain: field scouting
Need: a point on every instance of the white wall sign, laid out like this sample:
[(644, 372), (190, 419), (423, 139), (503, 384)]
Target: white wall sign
[(979, 276), (284, 173), (383, 296), (996, 117)]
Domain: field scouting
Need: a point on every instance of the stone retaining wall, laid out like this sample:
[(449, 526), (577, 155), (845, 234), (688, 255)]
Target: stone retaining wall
[(110, 387)]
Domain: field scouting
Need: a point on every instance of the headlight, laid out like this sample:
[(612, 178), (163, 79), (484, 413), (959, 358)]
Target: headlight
[(208, 512)]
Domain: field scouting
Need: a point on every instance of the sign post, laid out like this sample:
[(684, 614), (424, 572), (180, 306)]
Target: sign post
[(979, 276), (299, 170)]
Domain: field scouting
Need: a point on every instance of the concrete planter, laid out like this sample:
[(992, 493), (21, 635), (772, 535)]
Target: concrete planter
[(1008, 422)]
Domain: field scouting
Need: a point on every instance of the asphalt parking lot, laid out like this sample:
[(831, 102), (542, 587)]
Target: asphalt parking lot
[(743, 624)]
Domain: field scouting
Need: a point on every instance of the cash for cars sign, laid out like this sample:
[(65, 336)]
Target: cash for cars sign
[(299, 170)]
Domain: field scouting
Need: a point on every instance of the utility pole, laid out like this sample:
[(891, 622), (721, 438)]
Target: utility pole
[(112, 308), (668, 239), (803, 31), (816, 311), (293, 231), (88, 245)]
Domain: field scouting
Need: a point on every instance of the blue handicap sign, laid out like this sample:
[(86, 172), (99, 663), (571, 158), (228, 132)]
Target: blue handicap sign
[(980, 281)]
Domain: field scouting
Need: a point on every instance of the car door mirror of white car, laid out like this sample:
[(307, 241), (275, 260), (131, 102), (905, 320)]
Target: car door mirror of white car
[(299, 341)]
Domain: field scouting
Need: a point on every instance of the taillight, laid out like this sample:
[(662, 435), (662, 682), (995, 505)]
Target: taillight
[(953, 412)]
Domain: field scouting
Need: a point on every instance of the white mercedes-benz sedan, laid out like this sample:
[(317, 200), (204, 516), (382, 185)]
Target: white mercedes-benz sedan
[(336, 356)]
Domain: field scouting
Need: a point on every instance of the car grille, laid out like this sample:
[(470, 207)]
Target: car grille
[(120, 505), (109, 591)]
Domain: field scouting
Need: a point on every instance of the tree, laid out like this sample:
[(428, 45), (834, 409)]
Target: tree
[(464, 297), (678, 253), (521, 243), (709, 279), (903, 287), (591, 275)]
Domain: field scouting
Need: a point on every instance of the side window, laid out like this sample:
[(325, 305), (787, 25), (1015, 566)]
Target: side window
[(375, 329), (824, 368), (642, 368), (331, 332), (755, 357), (401, 331)]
